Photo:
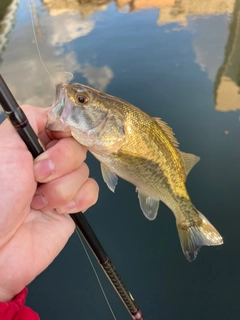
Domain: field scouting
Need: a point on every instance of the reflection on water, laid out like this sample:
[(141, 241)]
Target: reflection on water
[(177, 11), (7, 19), (97, 77), (178, 60), (67, 21), (74, 27), (181, 10), (227, 83), (86, 8)]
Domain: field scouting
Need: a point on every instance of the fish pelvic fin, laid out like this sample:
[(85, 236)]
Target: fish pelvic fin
[(195, 235)]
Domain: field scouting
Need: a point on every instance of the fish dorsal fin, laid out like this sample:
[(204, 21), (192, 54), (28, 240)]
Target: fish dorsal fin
[(148, 205), (189, 161), (109, 177), (170, 134)]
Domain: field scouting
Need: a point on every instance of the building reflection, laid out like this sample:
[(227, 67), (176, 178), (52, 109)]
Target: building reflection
[(227, 83), (7, 20), (75, 19), (84, 7), (177, 11)]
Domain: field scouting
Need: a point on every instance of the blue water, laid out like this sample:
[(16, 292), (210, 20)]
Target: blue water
[(170, 70)]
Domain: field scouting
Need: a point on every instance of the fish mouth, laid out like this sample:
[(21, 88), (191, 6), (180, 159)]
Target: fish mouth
[(59, 111), (67, 116)]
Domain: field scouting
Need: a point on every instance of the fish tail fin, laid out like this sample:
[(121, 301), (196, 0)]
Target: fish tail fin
[(195, 234)]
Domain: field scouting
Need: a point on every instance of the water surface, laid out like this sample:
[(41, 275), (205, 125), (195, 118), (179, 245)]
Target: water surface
[(178, 60)]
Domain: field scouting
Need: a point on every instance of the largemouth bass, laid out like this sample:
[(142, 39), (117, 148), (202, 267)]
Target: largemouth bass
[(138, 148)]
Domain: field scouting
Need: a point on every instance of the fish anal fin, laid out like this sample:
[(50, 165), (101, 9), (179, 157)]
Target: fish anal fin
[(109, 177), (196, 236), (189, 160), (170, 134), (148, 205)]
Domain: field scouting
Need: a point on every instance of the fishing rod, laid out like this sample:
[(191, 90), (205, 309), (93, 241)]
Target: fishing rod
[(20, 122)]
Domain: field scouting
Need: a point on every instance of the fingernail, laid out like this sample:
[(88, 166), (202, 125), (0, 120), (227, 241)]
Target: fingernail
[(68, 207), (44, 169), (39, 201)]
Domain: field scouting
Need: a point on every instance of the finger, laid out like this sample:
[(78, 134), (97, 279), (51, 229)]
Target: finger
[(85, 198), (60, 158), (59, 134), (61, 191), (37, 118)]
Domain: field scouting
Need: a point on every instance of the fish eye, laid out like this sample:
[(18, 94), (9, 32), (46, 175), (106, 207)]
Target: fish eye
[(82, 98)]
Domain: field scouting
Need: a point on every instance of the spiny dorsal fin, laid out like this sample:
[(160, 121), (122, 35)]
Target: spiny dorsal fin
[(170, 134), (189, 161)]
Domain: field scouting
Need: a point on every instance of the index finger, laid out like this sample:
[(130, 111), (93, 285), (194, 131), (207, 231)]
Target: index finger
[(38, 117)]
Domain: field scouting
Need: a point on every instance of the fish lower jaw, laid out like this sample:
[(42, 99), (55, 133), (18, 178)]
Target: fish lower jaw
[(56, 125), (83, 138)]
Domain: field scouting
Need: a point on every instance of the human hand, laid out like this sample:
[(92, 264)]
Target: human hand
[(33, 228)]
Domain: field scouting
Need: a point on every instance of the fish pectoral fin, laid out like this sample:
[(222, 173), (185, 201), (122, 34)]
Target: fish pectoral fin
[(189, 160), (148, 205), (109, 177)]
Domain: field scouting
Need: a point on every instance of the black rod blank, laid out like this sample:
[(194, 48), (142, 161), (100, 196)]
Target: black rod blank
[(19, 120), (107, 266)]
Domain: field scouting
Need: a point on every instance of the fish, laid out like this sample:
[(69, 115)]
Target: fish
[(138, 148)]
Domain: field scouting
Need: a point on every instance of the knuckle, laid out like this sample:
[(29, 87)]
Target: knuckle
[(76, 153), (93, 191), (85, 169), (65, 198), (69, 152), (61, 195), (87, 196)]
